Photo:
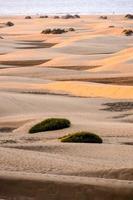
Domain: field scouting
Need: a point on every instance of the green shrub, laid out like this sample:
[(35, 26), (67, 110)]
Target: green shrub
[(82, 137), (50, 124)]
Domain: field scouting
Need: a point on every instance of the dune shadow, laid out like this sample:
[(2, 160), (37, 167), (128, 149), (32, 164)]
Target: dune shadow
[(23, 63), (34, 45), (79, 68), (113, 81)]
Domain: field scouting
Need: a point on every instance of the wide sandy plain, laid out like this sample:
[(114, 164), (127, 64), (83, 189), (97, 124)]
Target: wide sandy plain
[(71, 76)]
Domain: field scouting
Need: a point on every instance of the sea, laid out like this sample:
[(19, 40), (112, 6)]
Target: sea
[(52, 7)]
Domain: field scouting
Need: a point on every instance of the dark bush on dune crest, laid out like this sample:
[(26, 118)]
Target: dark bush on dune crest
[(128, 32), (47, 31), (43, 16), (71, 29), (82, 137), (50, 124), (129, 16), (111, 26), (56, 17), (10, 23), (77, 16), (70, 16), (103, 17), (28, 17), (57, 31), (54, 31)]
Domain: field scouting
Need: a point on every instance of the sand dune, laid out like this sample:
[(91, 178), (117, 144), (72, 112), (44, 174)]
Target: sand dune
[(90, 89), (119, 62), (85, 76), (64, 187)]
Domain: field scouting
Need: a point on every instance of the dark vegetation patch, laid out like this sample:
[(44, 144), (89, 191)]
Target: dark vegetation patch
[(103, 17), (71, 29), (53, 31), (68, 16), (44, 16), (28, 17), (56, 17), (118, 106), (111, 26), (57, 31), (82, 137), (9, 24), (50, 124), (128, 32), (129, 16)]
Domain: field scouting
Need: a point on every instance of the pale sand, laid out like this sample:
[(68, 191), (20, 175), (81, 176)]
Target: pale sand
[(64, 76)]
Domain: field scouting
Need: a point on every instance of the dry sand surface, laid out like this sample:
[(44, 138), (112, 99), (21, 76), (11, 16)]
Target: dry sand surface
[(85, 76)]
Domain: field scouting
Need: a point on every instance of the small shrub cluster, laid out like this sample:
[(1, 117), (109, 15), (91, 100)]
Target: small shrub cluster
[(56, 17), (103, 17), (71, 29), (10, 23), (70, 16), (43, 16), (50, 124), (82, 137), (128, 32), (28, 17), (111, 26), (129, 16), (47, 31), (56, 31)]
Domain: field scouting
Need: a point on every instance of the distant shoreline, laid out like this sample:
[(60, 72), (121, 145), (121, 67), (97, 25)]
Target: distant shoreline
[(65, 13), (61, 14)]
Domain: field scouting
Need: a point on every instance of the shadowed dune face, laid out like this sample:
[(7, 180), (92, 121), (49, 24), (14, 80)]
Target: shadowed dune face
[(85, 76), (113, 81), (34, 45), (23, 63), (62, 188)]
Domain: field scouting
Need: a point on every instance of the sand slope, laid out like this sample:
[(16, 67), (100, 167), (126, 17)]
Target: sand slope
[(75, 75)]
